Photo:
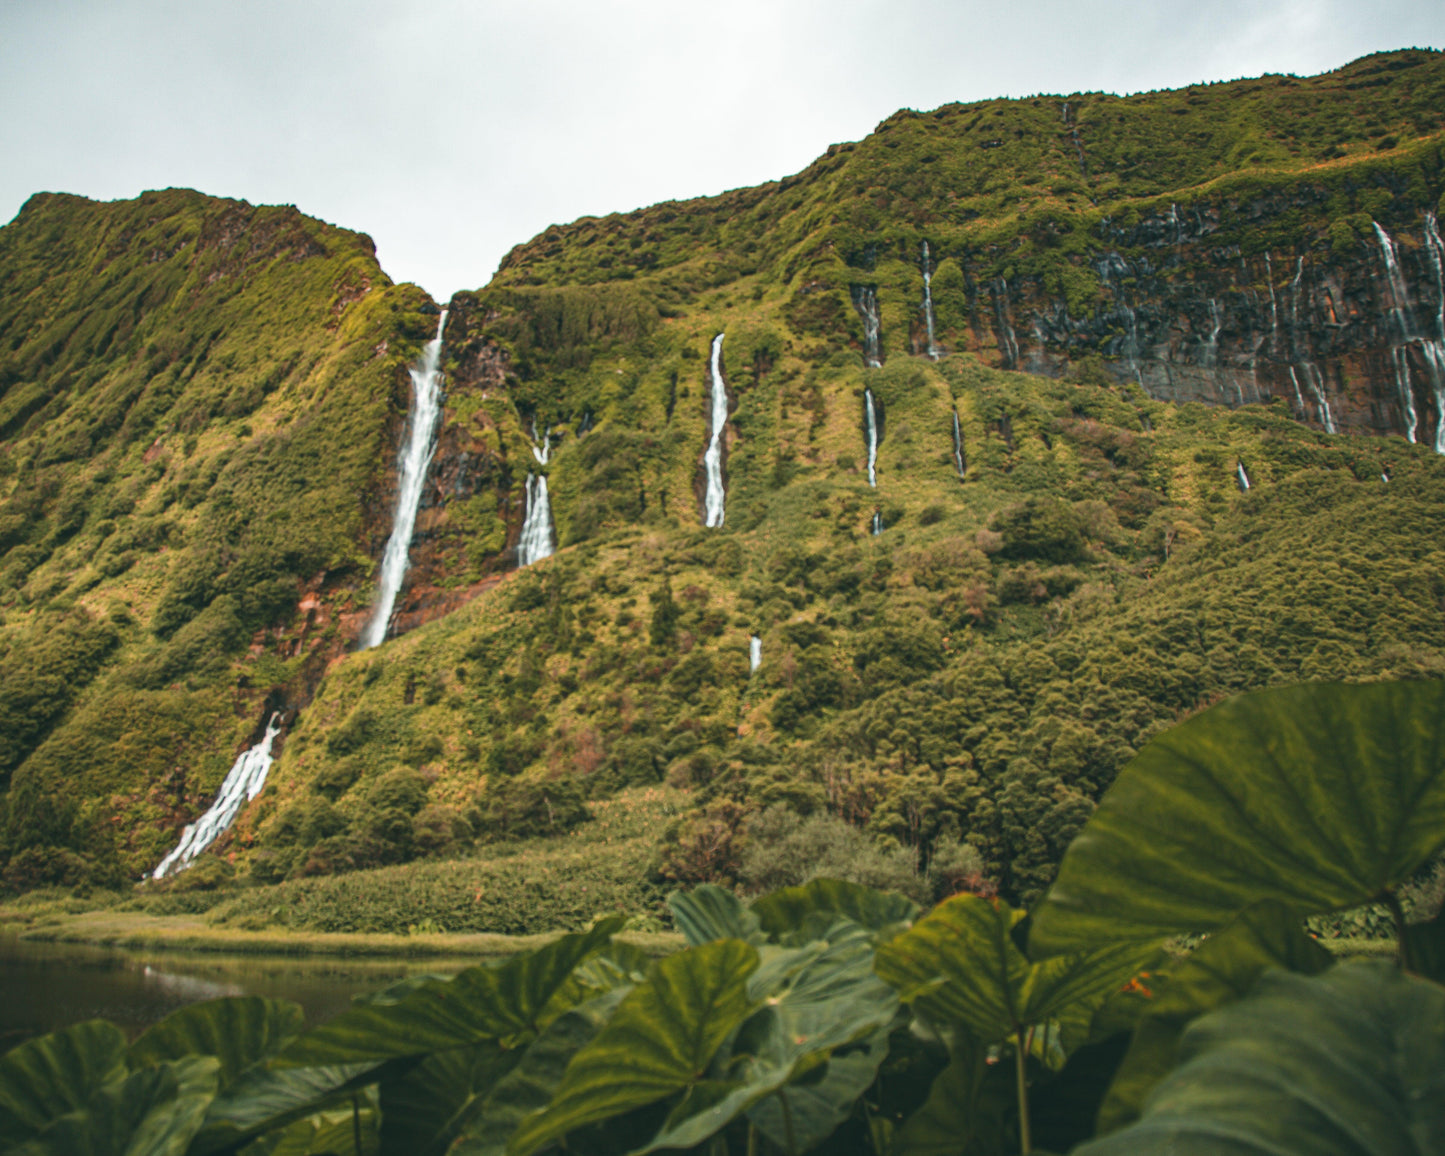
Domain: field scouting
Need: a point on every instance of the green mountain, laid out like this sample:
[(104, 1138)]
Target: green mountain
[(1136, 308)]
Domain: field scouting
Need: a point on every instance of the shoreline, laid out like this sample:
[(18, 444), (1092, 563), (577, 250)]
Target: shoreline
[(139, 931)]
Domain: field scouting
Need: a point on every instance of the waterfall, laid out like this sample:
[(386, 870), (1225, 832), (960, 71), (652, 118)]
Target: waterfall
[(1399, 351), (412, 464), (872, 437), (928, 304), (958, 460), (1273, 307), (536, 541), (243, 783), (1434, 347), (1110, 265), (712, 460), (1010, 344), (1211, 344), (877, 523), (865, 300), (755, 654), (1317, 387), (1241, 477)]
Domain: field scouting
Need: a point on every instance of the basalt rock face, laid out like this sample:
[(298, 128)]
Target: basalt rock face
[(1194, 320)]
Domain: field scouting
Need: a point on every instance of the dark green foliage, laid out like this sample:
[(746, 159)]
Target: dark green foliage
[(824, 1017)]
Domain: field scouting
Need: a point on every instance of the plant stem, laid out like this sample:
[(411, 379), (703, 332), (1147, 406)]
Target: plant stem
[(788, 1123), (1023, 1090), (752, 1139), (356, 1123), (1402, 949)]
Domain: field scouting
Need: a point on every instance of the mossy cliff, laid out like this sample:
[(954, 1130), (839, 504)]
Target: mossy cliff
[(202, 399)]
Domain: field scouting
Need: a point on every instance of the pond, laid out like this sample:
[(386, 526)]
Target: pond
[(44, 986)]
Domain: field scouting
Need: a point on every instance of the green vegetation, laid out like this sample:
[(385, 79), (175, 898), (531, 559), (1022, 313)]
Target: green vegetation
[(834, 1017), (200, 399)]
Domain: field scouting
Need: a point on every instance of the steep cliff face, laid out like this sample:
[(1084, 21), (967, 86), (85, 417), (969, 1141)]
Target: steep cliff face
[(965, 627), (193, 393)]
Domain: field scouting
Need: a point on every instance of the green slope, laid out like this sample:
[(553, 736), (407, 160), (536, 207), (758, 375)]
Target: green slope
[(198, 457)]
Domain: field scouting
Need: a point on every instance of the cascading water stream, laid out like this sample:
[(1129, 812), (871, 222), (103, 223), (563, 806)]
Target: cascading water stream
[(716, 493), (242, 784), (871, 414), (536, 541), (958, 459), (872, 417), (1434, 347), (412, 464), (865, 300), (1273, 307), (928, 304), (755, 654), (1241, 477), (1210, 353), (1399, 351)]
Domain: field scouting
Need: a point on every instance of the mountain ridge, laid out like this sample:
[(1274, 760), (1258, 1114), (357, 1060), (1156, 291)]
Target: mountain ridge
[(267, 354)]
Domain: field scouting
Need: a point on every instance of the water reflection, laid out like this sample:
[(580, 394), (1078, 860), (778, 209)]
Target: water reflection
[(44, 986)]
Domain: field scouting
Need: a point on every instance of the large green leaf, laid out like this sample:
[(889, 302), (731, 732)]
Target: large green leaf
[(710, 912), (241, 1032), (1425, 943), (481, 1003), (529, 1087), (45, 1078), (959, 964), (820, 901), (659, 1042), (152, 1112), (1347, 1062), (266, 1099), (817, 1107), (967, 1110), (1318, 795), (426, 1107), (1223, 969)]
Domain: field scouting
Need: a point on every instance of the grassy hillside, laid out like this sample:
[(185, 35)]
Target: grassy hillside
[(200, 400), (193, 393)]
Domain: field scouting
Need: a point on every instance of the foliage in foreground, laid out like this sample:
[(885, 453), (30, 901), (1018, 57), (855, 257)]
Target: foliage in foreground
[(834, 1014)]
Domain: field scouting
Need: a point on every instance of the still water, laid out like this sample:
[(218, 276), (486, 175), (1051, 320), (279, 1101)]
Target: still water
[(44, 986)]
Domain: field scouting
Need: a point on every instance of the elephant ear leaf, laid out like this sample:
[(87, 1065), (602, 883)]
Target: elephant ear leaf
[(156, 1110), (46, 1078), (1348, 1061), (240, 1032), (960, 965), (1319, 796), (711, 912), (1425, 947), (1224, 968), (820, 902), (416, 1018), (658, 1044)]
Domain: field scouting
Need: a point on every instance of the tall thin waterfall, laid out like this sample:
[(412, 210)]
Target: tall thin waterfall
[(755, 653), (412, 464), (1400, 313), (958, 460), (1434, 347), (242, 784), (872, 416), (865, 300), (1273, 307), (1211, 344), (1241, 477), (716, 494), (928, 304), (536, 540)]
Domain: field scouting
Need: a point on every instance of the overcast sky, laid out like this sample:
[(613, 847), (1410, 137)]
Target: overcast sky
[(454, 129)]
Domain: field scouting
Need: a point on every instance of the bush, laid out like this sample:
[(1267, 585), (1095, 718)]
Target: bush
[(783, 849)]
